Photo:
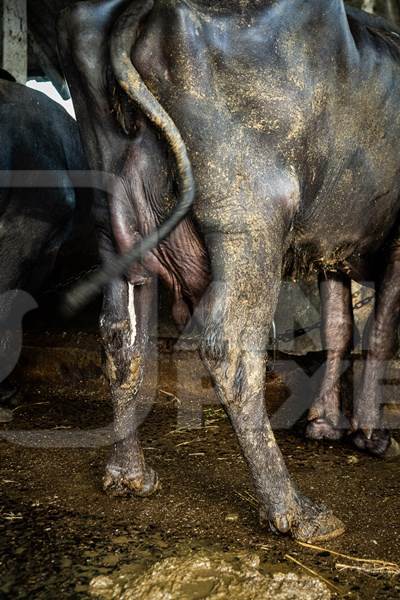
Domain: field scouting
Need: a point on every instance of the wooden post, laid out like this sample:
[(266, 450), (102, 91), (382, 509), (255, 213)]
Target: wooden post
[(14, 38)]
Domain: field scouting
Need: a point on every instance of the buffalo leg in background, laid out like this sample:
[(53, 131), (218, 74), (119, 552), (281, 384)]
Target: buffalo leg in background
[(382, 338), (30, 243), (326, 419)]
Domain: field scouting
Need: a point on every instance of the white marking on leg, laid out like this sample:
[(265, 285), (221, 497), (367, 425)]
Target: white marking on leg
[(132, 312)]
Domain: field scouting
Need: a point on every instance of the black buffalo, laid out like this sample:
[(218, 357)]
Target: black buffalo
[(40, 208), (289, 112)]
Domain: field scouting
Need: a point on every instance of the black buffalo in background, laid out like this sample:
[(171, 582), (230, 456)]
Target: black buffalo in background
[(42, 215)]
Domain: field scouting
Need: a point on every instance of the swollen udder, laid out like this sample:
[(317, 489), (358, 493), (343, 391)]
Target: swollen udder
[(181, 261)]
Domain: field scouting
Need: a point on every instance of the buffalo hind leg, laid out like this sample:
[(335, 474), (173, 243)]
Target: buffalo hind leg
[(240, 309), (367, 419), (326, 418), (124, 328)]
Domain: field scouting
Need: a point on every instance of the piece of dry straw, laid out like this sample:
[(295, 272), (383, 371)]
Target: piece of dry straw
[(364, 565)]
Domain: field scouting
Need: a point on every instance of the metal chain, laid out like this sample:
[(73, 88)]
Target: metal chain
[(362, 303), (290, 334)]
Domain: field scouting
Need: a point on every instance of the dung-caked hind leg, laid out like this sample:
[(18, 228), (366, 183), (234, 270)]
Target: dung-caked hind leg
[(124, 328)]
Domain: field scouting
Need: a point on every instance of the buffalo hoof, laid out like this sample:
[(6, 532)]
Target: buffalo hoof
[(118, 482), (306, 522), (380, 443), (321, 429)]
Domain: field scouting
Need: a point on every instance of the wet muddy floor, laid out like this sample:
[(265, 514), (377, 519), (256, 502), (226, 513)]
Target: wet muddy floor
[(58, 530)]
